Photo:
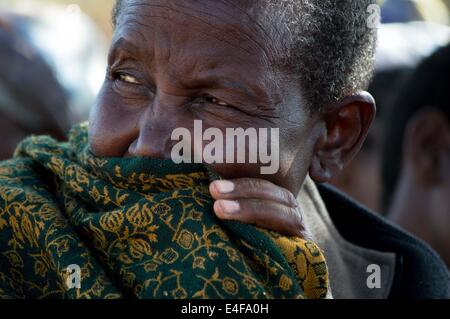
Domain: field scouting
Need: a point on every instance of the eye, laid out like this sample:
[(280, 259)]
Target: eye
[(127, 78), (213, 100), (129, 85)]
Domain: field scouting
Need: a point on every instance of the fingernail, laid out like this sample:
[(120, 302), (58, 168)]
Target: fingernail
[(224, 187), (229, 207)]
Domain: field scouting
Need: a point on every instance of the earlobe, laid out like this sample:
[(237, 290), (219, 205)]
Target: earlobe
[(322, 172), (347, 124)]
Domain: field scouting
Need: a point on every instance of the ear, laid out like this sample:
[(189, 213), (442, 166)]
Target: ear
[(346, 125), (426, 146)]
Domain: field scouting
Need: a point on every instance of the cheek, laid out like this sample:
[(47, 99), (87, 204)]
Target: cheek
[(296, 149), (232, 171), (111, 127), (287, 157), (291, 163)]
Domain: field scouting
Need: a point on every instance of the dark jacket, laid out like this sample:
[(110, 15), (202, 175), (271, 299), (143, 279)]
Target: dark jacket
[(420, 273)]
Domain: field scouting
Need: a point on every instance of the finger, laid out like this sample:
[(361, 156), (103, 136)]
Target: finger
[(251, 188), (267, 214)]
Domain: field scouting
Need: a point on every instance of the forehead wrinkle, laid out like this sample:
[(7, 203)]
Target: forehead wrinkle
[(256, 25), (260, 47), (251, 18), (205, 33), (128, 25), (235, 28)]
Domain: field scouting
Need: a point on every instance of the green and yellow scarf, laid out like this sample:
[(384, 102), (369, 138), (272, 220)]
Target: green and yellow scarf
[(136, 227)]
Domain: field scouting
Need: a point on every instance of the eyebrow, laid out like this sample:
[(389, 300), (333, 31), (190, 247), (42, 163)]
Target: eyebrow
[(238, 89), (232, 82), (122, 44), (247, 91)]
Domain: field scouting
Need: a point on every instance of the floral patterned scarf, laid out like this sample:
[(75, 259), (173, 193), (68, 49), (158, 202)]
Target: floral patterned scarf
[(76, 226)]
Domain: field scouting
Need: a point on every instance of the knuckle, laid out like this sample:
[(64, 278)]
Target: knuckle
[(296, 218), (252, 183), (256, 206), (289, 198), (255, 210)]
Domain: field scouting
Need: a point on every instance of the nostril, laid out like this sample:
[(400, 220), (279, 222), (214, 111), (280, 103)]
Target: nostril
[(152, 148), (127, 154)]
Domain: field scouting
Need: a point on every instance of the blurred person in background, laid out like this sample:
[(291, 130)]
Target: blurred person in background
[(401, 11), (51, 72), (70, 42), (73, 47), (416, 154), (401, 47), (31, 99)]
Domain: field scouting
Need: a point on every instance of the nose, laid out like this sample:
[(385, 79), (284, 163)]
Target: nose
[(156, 126), (151, 142), (153, 138)]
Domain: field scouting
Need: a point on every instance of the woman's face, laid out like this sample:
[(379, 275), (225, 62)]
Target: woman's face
[(173, 62)]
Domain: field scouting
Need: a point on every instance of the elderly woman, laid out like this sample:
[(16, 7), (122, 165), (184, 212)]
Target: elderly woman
[(113, 208)]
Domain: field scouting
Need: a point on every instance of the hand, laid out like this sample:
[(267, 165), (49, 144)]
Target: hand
[(258, 202)]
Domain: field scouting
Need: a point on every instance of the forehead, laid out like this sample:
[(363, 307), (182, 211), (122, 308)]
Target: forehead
[(212, 31)]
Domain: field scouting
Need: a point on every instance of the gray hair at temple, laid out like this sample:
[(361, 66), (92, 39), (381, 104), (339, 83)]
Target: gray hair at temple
[(331, 47)]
